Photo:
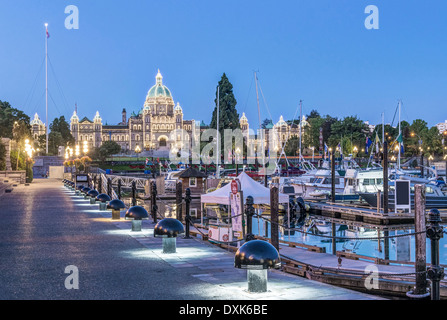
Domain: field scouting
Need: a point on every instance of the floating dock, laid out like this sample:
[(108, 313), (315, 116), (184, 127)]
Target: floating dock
[(363, 213)]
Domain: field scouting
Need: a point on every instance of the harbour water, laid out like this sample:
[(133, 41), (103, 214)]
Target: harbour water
[(366, 240)]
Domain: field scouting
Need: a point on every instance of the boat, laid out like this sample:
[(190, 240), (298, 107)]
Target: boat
[(319, 185), (435, 196)]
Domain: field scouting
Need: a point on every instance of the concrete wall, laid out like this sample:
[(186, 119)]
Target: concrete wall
[(13, 176), (8, 145), (43, 163)]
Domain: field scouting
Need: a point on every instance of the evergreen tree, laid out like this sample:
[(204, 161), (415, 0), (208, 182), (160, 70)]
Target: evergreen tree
[(228, 116)]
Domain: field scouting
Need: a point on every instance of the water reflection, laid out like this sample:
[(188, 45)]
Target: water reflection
[(362, 239), (374, 241)]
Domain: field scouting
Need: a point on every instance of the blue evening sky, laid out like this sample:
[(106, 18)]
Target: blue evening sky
[(316, 50)]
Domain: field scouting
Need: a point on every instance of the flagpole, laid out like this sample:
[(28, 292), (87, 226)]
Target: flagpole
[(398, 157), (46, 83), (301, 119)]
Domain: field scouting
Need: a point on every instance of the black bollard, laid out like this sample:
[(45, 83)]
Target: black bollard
[(435, 272), (154, 207), (188, 216), (249, 211), (134, 194)]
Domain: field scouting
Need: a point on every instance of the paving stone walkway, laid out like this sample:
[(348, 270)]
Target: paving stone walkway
[(45, 227)]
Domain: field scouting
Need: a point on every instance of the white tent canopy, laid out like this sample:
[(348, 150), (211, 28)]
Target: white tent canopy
[(249, 187)]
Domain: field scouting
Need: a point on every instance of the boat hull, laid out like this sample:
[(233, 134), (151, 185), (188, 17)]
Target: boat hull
[(430, 201)]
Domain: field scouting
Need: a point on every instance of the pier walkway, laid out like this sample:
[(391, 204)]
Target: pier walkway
[(45, 228)]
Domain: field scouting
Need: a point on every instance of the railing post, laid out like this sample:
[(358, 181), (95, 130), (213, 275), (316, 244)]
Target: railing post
[(334, 240), (100, 184), (188, 216), (178, 200), (119, 190), (154, 206), (109, 187), (420, 290), (333, 176), (435, 272), (274, 201), (95, 185), (379, 200), (385, 178), (134, 194), (249, 211)]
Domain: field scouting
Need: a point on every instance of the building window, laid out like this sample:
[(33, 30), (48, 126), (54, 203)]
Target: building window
[(193, 182)]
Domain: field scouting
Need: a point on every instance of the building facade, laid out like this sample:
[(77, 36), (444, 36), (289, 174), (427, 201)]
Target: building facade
[(37, 127), (155, 127)]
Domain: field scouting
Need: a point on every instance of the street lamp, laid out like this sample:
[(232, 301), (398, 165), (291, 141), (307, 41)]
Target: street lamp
[(85, 147), (238, 151), (29, 151)]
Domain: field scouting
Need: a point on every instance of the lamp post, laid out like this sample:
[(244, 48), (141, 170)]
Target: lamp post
[(421, 150), (29, 151), (238, 151)]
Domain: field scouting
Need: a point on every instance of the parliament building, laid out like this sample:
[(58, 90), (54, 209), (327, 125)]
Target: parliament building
[(150, 129)]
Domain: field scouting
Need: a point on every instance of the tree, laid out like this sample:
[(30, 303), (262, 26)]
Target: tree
[(313, 114), (228, 116), (350, 129), (14, 123), (59, 135), (107, 149), (292, 145)]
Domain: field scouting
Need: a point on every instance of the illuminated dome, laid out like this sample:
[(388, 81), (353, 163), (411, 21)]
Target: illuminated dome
[(281, 122), (159, 90), (36, 121), (178, 108)]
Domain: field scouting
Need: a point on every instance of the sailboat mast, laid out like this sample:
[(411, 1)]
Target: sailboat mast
[(260, 126), (301, 119), (398, 157), (218, 143), (46, 84)]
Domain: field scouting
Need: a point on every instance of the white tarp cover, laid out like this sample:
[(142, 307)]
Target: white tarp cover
[(249, 187)]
